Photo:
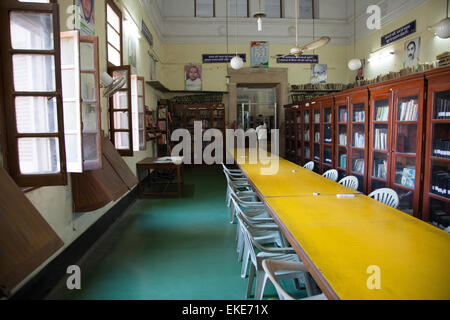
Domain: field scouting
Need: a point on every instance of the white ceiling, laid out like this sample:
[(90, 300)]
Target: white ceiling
[(174, 21)]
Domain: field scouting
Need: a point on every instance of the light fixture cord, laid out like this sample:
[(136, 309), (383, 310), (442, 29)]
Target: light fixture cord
[(235, 15), (296, 22), (354, 28), (448, 1), (226, 26)]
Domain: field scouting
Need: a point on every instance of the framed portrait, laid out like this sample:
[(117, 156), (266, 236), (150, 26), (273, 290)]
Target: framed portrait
[(132, 55), (260, 54), (360, 73), (412, 53), (318, 73), (193, 78), (85, 17)]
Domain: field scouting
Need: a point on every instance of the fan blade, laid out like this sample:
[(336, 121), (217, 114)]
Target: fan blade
[(316, 44)]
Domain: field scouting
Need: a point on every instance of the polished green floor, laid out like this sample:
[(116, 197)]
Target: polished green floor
[(168, 249)]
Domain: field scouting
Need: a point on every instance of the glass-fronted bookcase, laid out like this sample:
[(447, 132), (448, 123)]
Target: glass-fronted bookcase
[(436, 195)]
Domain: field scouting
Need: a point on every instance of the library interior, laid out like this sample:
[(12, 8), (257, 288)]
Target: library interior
[(225, 150)]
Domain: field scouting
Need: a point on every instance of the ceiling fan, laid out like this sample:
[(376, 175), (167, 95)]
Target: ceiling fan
[(299, 50)]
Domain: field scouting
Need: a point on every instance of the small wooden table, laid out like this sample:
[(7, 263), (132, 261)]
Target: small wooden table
[(158, 164)]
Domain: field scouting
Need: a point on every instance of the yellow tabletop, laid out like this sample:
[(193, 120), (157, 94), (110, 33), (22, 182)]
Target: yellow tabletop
[(345, 237), (286, 178)]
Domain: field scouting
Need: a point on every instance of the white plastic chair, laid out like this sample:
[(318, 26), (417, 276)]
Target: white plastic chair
[(236, 181), (278, 270), (309, 166), (256, 269), (350, 182), (331, 174), (386, 196)]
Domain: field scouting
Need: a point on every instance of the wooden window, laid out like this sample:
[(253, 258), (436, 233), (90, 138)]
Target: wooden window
[(113, 34), (138, 112), (242, 8), (274, 8), (32, 101), (205, 8), (120, 113), (80, 82)]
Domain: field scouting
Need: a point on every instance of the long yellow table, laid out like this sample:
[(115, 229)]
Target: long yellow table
[(290, 179), (339, 239)]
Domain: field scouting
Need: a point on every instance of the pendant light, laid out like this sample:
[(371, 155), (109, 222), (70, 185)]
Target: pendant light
[(355, 63), (259, 15), (443, 28), (237, 62)]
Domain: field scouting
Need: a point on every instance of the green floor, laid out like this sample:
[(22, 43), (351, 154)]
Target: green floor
[(168, 249)]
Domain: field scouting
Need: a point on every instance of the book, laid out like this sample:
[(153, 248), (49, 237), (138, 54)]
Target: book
[(441, 148), (408, 177)]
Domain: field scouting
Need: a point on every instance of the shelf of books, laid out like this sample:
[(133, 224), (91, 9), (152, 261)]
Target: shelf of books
[(316, 130), (406, 142), (306, 132), (357, 135), (298, 135), (379, 142), (436, 199), (327, 105), (290, 132), (341, 137)]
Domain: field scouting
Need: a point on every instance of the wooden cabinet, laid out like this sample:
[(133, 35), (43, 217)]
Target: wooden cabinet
[(436, 191), (326, 133), (352, 132), (316, 135), (306, 116), (289, 132)]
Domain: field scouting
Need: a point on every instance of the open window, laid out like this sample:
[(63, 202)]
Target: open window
[(138, 112), (113, 34), (120, 111), (80, 82), (32, 101)]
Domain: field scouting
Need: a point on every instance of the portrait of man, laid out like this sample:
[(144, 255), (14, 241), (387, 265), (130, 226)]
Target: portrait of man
[(412, 52), (193, 78), (318, 73), (85, 18), (360, 72)]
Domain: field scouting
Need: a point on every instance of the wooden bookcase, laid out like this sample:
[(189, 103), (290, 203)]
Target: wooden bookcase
[(306, 116), (351, 108), (212, 117), (436, 193), (316, 113), (289, 132), (326, 105)]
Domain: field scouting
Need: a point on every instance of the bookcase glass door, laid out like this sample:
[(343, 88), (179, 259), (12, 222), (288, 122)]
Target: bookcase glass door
[(380, 144), (358, 127), (405, 151), (327, 137), (306, 136), (342, 130), (299, 134), (439, 186), (316, 119)]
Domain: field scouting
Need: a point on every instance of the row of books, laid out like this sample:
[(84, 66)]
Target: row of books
[(358, 165), (440, 183), (359, 116), (342, 115), (307, 153), (441, 148), (327, 155), (382, 113), (343, 139), (358, 140), (327, 132), (381, 136), (343, 161), (409, 111), (319, 86), (408, 177), (379, 168), (442, 108), (306, 135), (208, 98), (327, 117), (316, 117)]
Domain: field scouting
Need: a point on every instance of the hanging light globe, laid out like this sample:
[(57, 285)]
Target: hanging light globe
[(354, 64), (443, 29), (237, 63)]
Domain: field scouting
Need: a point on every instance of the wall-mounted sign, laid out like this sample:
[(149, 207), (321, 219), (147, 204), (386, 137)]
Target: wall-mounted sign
[(307, 58), (85, 17), (221, 58), (260, 54), (146, 33), (399, 33)]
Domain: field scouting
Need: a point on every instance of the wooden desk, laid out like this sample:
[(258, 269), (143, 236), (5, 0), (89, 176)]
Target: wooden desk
[(338, 239), (158, 164)]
